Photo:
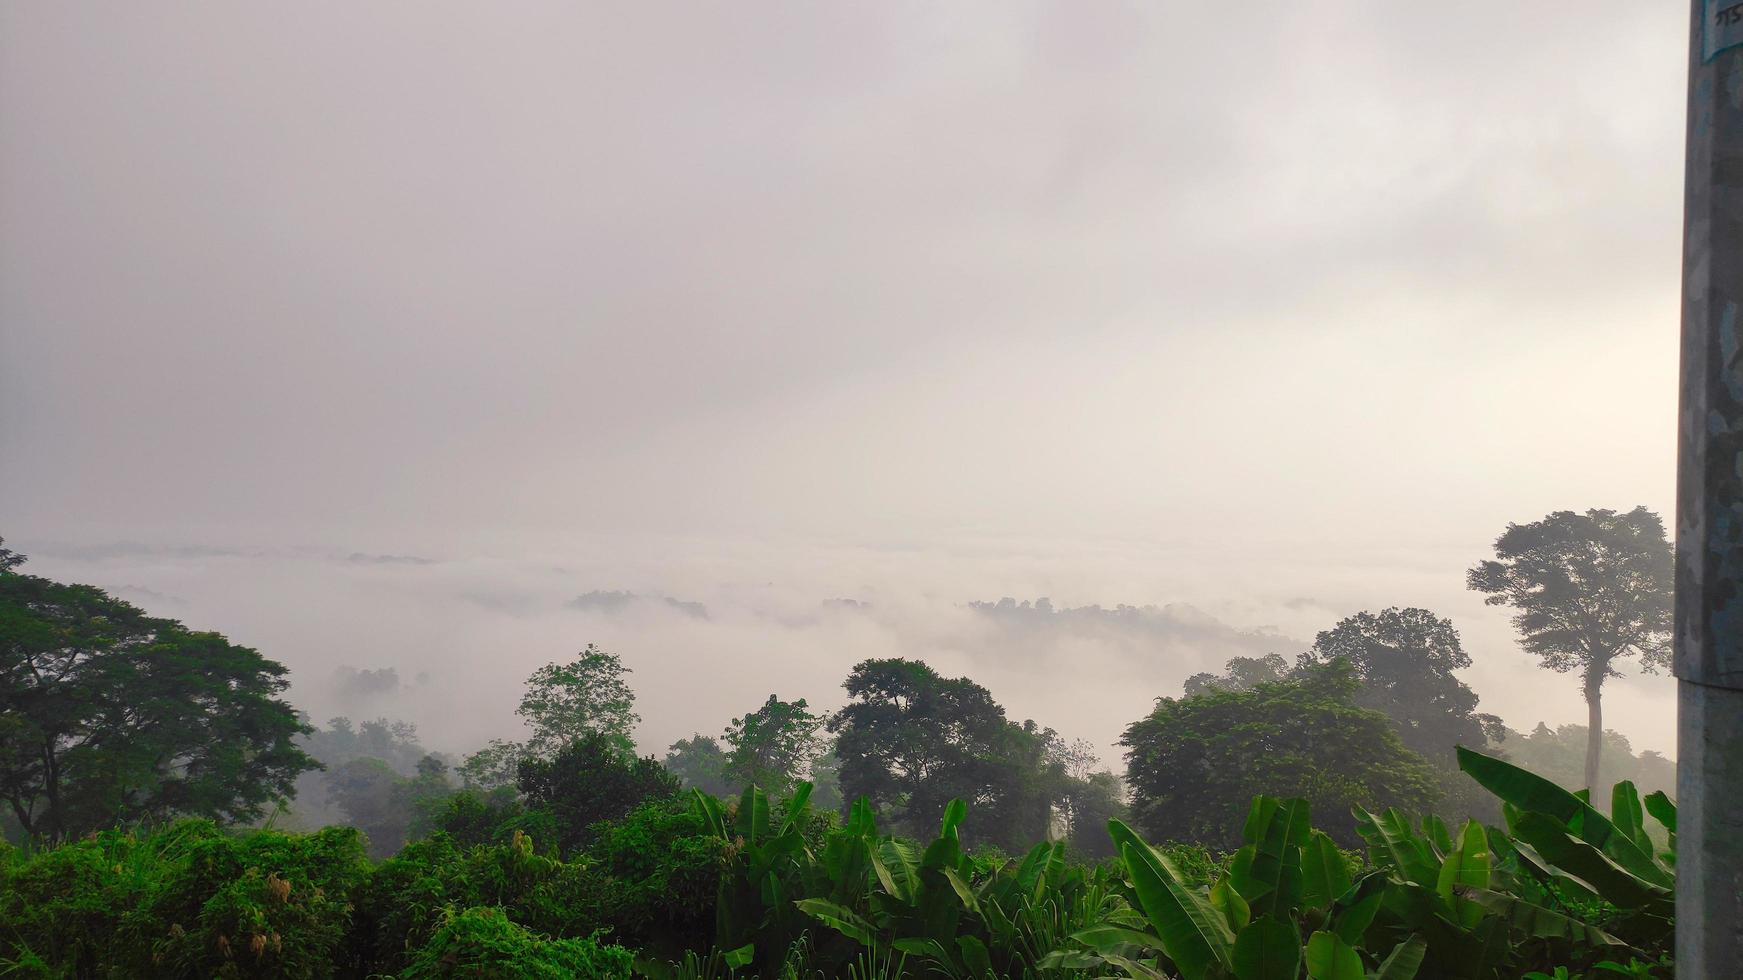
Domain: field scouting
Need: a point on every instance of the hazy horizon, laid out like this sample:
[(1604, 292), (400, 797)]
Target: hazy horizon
[(373, 336)]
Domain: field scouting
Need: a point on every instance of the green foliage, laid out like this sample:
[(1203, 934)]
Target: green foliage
[(1195, 763), (109, 716), (493, 767), (1597, 868), (1559, 755), (188, 900), (1087, 796), (589, 780), (911, 740), (564, 703), (649, 879), (772, 747), (850, 896), (484, 943), (1239, 674), (664, 866), (1569, 887), (774, 888), (472, 818), (407, 897), (587, 696), (1403, 661)]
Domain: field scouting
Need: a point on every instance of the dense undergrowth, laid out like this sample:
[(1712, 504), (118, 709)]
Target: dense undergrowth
[(751, 887)]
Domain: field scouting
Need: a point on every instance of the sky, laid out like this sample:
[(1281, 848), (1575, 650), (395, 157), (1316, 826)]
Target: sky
[(376, 335)]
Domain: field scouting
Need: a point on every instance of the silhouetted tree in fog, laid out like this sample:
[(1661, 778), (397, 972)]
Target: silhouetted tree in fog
[(1405, 660), (700, 763), (1589, 590), (912, 740)]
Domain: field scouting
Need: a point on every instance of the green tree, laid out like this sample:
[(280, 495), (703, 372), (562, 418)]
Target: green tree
[(1240, 674), (912, 740), (9, 559), (366, 790), (772, 747), (1559, 755), (589, 780), (563, 702), (1588, 590), (1195, 764), (493, 767), (108, 715), (700, 763)]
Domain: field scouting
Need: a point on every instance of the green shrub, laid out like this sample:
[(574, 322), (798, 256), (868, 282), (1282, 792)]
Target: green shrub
[(471, 817), (589, 780), (402, 905), (663, 868), (69, 907), (483, 943), (262, 904), (187, 900)]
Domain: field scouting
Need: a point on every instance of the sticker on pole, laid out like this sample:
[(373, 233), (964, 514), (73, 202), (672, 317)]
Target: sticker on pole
[(1722, 27)]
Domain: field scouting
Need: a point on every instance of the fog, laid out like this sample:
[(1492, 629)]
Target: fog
[(374, 336)]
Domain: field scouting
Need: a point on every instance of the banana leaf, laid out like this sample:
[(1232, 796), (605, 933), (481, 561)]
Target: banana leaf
[(1267, 872), (1405, 960), (1324, 875), (1531, 793), (1581, 859), (1267, 949), (1330, 958), (1193, 934)]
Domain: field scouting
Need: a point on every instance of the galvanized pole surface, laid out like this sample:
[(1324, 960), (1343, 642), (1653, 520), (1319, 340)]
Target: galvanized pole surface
[(1709, 571)]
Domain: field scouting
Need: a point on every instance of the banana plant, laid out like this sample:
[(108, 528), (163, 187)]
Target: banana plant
[(918, 904), (1249, 924), (1470, 912), (1560, 839), (1030, 908), (754, 912)]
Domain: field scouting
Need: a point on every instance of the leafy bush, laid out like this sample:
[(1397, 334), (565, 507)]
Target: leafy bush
[(188, 900), (591, 779), (484, 943), (67, 906), (407, 897), (664, 866), (1476, 903), (471, 817)]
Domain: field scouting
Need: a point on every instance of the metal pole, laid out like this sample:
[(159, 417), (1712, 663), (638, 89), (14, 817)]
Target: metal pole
[(1709, 570)]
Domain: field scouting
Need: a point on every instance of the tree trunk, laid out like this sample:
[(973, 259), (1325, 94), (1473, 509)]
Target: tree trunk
[(1594, 729)]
